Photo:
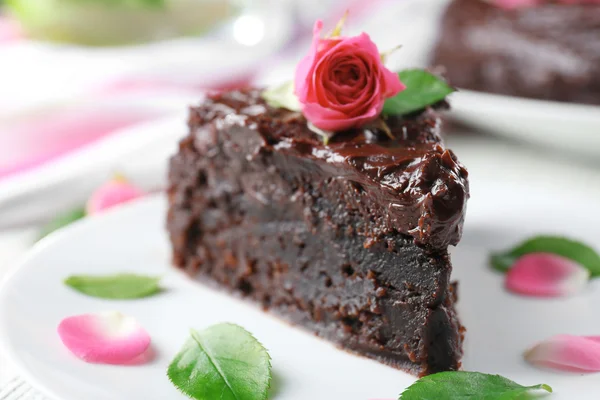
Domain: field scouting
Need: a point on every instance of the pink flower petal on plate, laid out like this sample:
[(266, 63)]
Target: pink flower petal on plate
[(112, 193), (567, 353), (104, 338), (544, 274)]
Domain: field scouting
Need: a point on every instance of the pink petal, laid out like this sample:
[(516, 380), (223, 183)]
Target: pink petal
[(306, 65), (567, 353), (112, 193), (544, 274), (332, 120), (105, 338)]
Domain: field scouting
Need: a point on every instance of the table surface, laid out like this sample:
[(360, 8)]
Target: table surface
[(486, 158)]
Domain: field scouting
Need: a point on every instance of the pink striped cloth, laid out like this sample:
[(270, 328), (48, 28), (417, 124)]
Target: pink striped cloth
[(39, 136)]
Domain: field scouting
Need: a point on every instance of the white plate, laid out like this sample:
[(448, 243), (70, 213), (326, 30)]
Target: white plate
[(564, 126), (500, 326)]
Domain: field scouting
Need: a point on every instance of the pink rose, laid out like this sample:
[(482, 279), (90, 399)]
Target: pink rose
[(342, 82)]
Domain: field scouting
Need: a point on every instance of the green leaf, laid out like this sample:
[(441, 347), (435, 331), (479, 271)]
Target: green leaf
[(502, 261), (222, 362), (469, 386), (422, 89), (62, 220), (282, 96), (121, 286), (568, 248)]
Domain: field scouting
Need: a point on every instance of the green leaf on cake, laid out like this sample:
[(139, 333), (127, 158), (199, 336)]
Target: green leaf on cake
[(62, 220), (423, 89), (222, 362), (115, 287), (470, 385), (568, 248), (282, 96)]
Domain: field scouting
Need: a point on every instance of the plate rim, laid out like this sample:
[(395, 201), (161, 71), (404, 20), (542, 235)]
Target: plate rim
[(14, 269), (157, 200)]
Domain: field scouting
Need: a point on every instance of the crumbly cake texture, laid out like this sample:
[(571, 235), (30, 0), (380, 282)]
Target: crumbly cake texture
[(550, 51), (347, 240)]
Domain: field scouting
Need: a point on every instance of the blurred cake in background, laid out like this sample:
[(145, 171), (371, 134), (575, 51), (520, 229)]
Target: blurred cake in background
[(529, 48), (118, 22)]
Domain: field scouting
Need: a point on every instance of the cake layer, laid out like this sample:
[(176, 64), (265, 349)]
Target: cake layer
[(348, 240), (549, 52)]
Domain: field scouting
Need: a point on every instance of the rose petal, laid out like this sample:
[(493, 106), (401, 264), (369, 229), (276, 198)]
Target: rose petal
[(567, 353), (544, 274), (393, 83), (305, 66), (331, 120), (112, 193), (104, 338)]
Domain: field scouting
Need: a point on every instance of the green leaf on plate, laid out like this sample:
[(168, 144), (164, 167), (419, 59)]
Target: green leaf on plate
[(502, 261), (121, 286), (282, 96), (222, 362), (568, 248), (422, 89), (62, 220), (469, 385)]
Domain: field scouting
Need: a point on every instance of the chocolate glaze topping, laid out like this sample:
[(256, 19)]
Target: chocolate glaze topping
[(417, 184)]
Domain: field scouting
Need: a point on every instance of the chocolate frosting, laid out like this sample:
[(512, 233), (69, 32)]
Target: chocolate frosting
[(421, 185)]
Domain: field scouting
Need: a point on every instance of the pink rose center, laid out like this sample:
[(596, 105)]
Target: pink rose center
[(346, 74)]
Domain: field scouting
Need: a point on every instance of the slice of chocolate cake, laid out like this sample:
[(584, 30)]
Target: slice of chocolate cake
[(348, 240), (547, 51)]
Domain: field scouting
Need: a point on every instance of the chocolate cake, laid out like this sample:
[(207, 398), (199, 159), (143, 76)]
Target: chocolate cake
[(348, 240), (549, 51)]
